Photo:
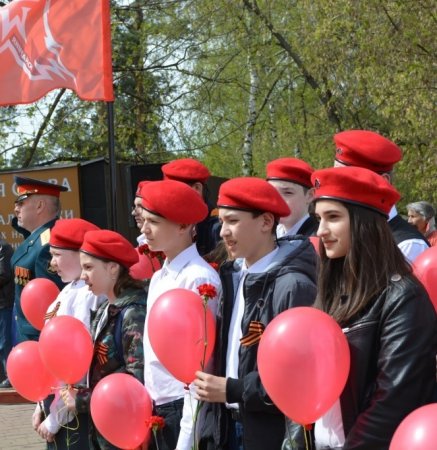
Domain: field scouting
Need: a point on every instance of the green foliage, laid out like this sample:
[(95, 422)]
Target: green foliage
[(184, 72)]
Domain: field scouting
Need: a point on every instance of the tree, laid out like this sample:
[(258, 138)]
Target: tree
[(238, 83)]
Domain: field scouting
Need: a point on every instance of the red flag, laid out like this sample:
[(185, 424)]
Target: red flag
[(50, 44)]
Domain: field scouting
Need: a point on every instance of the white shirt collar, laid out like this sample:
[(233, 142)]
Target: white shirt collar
[(393, 212), (262, 264)]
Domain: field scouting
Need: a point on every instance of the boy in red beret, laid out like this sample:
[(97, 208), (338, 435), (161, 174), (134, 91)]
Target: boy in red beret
[(370, 150), (170, 211), (195, 174), (291, 177), (148, 263), (266, 277)]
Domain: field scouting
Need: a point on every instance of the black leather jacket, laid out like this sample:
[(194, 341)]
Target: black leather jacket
[(393, 365), (288, 282)]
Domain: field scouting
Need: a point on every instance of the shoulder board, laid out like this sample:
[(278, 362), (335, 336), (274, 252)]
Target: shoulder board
[(214, 213), (45, 237)]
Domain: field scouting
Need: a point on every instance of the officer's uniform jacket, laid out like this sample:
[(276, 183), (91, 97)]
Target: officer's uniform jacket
[(31, 260)]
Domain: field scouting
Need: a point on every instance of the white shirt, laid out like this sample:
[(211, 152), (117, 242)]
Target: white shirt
[(78, 301), (235, 333), (328, 430), (141, 239), (411, 248), (187, 270), (282, 231)]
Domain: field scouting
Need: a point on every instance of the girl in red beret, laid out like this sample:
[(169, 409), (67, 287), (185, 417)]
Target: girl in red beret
[(366, 285), (75, 300), (118, 326)]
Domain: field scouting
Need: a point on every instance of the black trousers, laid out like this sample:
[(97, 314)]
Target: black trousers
[(73, 436), (167, 438)]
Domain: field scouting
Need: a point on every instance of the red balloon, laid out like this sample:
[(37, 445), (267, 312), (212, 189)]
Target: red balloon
[(303, 361), (66, 348), (425, 269), (36, 297), (120, 407), (316, 242), (417, 431), (27, 373), (178, 327)]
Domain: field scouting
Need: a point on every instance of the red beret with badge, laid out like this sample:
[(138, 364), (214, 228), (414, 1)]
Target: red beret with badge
[(110, 246), (186, 170), (355, 185), (173, 200), (290, 169), (29, 186), (68, 234), (366, 149), (251, 194)]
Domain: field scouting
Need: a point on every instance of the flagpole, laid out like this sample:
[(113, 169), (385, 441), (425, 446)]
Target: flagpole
[(112, 166)]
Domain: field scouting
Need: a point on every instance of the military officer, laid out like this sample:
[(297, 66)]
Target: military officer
[(37, 207)]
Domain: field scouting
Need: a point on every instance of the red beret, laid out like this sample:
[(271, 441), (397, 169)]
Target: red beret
[(173, 200), (355, 185), (140, 185), (252, 194), (68, 233), (30, 186), (290, 169), (187, 170), (366, 149), (111, 246)]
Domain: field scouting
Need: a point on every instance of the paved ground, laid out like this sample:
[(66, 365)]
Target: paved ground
[(16, 431)]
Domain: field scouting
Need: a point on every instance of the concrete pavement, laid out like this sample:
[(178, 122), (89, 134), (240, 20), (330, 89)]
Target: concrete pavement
[(16, 432)]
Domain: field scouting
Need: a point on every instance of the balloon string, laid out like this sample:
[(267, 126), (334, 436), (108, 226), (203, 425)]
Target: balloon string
[(308, 440)]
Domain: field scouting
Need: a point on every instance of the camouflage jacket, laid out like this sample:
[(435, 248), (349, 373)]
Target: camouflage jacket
[(115, 354)]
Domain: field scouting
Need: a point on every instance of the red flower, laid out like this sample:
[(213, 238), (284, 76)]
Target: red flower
[(144, 249), (155, 423), (207, 291), (215, 266)]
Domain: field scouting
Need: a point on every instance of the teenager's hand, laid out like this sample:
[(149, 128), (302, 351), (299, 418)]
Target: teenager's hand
[(68, 395), (45, 433), (210, 388), (36, 419)]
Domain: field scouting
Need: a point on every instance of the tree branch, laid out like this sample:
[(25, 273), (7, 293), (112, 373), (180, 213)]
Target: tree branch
[(325, 96), (43, 126)]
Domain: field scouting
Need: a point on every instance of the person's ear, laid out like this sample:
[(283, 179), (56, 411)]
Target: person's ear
[(114, 269), (198, 187), (40, 205), (310, 195), (386, 176), (268, 221)]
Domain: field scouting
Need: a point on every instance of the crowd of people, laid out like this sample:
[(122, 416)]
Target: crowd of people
[(257, 250)]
